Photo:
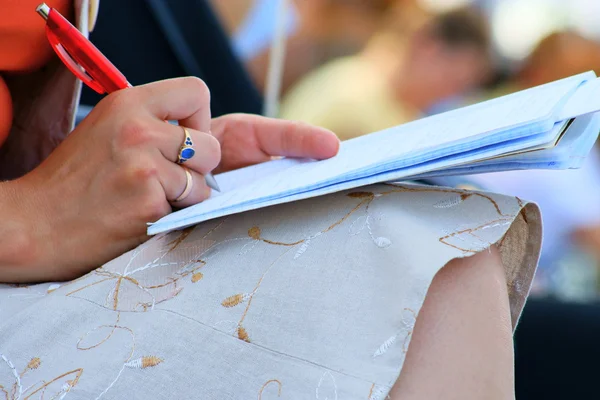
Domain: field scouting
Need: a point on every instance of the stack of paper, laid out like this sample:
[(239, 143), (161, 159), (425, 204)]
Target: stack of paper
[(553, 126)]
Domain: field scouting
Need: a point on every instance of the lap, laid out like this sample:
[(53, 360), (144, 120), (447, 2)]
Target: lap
[(314, 297)]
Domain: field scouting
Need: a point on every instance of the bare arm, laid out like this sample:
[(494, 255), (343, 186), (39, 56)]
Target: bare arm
[(462, 346), (16, 236)]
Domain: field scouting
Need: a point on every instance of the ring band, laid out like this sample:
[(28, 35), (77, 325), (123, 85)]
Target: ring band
[(187, 150), (189, 183)]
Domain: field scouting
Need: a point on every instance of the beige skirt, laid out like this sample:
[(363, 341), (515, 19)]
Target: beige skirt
[(312, 299)]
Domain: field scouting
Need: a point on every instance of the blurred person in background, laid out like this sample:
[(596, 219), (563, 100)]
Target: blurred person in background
[(318, 31), (251, 24), (569, 199), (411, 64)]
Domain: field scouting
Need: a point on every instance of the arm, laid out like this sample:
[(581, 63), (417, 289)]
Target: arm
[(16, 244), (462, 344)]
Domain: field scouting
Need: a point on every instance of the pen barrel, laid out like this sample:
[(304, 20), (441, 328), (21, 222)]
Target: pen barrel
[(85, 54)]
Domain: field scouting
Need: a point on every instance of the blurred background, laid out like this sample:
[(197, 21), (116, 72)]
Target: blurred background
[(359, 66)]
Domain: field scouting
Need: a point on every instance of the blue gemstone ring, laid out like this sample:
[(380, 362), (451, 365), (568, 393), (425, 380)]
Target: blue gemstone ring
[(187, 150)]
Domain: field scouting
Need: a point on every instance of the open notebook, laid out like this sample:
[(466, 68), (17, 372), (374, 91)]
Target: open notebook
[(552, 126)]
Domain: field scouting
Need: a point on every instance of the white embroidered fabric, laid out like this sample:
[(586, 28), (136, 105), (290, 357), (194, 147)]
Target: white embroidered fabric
[(311, 299)]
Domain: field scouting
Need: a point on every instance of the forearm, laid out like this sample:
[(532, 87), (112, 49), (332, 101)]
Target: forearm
[(462, 341), (18, 248)]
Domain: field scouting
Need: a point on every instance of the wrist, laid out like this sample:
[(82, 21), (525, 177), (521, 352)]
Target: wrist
[(19, 249)]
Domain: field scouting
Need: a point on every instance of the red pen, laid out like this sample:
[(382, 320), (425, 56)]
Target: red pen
[(80, 55), (86, 61)]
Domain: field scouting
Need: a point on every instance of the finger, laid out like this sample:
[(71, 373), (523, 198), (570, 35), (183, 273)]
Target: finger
[(174, 181), (186, 100), (276, 137), (207, 149)]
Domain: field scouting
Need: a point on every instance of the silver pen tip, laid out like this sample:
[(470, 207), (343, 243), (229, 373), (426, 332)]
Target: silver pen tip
[(43, 10), (212, 182)]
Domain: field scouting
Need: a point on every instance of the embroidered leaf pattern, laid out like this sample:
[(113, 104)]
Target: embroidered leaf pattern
[(56, 388), (66, 387), (34, 363), (227, 326), (302, 249), (385, 346), (181, 238), (327, 388), (254, 233), (52, 287), (452, 201), (197, 276), (379, 393), (242, 334), (361, 195), (382, 242), (272, 381), (144, 362), (474, 242), (358, 225), (234, 300)]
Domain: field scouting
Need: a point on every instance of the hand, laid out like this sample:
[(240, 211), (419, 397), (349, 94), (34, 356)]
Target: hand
[(91, 199)]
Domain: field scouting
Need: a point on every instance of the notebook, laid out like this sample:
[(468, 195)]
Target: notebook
[(552, 126)]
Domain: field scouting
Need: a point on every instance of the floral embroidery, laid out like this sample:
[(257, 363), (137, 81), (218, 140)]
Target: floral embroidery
[(480, 243), (139, 363), (409, 318), (255, 232), (151, 275), (385, 346), (268, 383), (136, 286), (181, 238), (52, 287), (57, 387), (234, 300), (196, 277), (144, 362), (379, 393), (361, 195), (327, 388), (243, 334), (452, 201)]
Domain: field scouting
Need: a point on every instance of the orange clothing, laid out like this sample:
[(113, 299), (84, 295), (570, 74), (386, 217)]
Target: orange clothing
[(23, 43), (23, 46)]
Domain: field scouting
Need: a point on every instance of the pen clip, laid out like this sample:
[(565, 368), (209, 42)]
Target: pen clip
[(72, 64)]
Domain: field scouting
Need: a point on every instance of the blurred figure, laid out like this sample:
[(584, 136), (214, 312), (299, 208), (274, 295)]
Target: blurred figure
[(232, 13), (324, 29), (570, 199), (409, 66), (559, 55), (251, 24)]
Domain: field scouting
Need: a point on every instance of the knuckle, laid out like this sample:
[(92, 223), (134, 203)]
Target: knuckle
[(138, 171), (133, 132), (144, 173), (140, 178), (118, 101), (200, 88)]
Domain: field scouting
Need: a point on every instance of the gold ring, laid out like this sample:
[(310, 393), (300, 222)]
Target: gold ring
[(186, 151), (189, 183)]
